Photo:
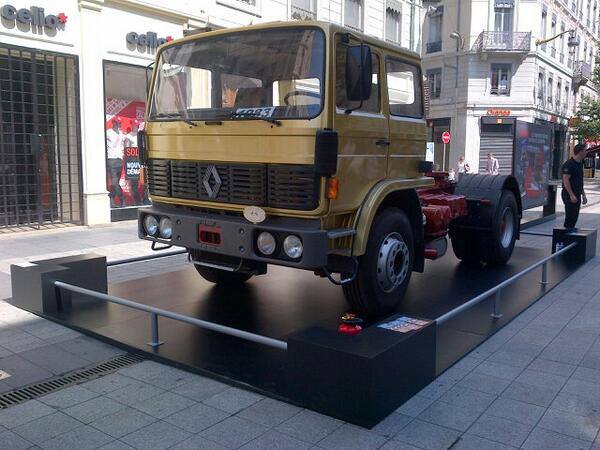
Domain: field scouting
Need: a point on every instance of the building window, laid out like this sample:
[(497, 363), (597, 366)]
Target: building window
[(567, 93), (562, 43), (434, 42), (543, 26), (503, 15), (393, 23), (303, 9), (434, 82), (353, 14), (251, 6), (552, 34), (550, 87), (500, 79), (558, 93), (541, 87)]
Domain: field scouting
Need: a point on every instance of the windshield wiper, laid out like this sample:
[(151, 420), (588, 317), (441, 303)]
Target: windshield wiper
[(238, 116), (175, 116)]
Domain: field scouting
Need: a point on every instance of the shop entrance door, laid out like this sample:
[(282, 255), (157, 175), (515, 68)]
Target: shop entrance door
[(40, 172)]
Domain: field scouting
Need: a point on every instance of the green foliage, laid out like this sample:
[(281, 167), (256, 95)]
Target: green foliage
[(588, 113)]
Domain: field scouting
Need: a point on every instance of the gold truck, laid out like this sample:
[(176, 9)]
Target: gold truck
[(302, 144)]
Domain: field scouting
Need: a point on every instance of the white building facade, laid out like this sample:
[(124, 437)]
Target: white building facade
[(486, 69), (71, 70)]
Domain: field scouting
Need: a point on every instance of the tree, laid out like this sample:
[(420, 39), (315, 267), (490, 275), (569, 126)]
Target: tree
[(587, 116)]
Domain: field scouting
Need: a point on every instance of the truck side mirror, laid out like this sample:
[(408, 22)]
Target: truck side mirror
[(359, 72)]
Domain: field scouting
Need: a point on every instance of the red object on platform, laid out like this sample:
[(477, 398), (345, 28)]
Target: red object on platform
[(346, 328)]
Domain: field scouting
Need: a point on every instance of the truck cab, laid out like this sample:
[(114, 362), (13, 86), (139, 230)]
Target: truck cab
[(302, 144)]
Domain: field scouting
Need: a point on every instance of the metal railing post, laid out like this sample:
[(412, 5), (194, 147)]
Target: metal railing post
[(544, 274), (155, 342), (497, 299)]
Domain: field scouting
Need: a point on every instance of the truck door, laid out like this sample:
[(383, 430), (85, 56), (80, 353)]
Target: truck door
[(408, 128), (362, 130)]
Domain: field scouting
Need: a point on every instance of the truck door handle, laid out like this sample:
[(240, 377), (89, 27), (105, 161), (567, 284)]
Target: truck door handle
[(382, 142)]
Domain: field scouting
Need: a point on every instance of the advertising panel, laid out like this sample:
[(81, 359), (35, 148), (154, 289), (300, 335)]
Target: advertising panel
[(532, 162)]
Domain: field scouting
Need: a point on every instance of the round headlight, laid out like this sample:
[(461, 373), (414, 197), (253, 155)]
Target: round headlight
[(266, 243), (166, 228), (151, 225), (292, 246)]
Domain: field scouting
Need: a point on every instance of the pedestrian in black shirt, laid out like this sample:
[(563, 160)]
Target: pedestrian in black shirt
[(573, 195)]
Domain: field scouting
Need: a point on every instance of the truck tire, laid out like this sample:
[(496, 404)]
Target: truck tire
[(384, 270), (498, 244), (222, 277), (466, 245)]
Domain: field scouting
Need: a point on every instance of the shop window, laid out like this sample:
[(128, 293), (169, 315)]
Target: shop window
[(373, 104), (500, 79), (404, 88), (434, 81), (125, 104)]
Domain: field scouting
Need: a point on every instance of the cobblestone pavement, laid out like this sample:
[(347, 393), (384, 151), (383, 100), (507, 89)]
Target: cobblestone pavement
[(535, 384)]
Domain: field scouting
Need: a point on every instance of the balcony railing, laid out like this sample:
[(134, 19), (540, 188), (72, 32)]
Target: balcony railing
[(298, 13), (582, 72), (433, 47), (503, 41)]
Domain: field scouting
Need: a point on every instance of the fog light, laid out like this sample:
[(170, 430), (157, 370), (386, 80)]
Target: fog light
[(292, 246), (166, 228), (151, 225), (266, 243)]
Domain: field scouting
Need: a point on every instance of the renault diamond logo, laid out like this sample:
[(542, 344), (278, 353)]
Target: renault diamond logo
[(212, 181)]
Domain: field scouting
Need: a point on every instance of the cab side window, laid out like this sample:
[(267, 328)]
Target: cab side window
[(373, 104), (404, 88)]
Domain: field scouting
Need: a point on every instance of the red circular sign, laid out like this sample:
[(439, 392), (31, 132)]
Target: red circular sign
[(446, 136)]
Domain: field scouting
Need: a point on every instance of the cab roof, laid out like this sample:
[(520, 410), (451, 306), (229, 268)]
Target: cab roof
[(327, 27)]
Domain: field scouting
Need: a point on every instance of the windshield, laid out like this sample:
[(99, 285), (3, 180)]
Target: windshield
[(266, 74)]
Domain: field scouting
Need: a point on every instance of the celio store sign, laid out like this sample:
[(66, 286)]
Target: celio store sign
[(146, 42), (35, 17)]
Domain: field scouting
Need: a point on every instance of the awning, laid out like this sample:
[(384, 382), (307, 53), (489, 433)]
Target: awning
[(394, 5)]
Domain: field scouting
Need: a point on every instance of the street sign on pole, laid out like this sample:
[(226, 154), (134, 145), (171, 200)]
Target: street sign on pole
[(446, 137)]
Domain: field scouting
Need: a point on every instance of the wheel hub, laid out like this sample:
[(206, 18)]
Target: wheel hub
[(392, 262), (507, 227)]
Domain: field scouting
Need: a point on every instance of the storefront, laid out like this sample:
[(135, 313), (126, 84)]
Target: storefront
[(73, 82), (439, 152)]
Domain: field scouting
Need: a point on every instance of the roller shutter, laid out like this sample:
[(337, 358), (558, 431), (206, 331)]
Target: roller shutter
[(502, 148)]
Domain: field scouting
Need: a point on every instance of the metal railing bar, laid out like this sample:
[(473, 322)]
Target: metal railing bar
[(281, 345), (116, 262), (475, 300), (537, 233)]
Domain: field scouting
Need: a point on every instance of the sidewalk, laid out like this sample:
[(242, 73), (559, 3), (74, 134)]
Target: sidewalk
[(535, 384)]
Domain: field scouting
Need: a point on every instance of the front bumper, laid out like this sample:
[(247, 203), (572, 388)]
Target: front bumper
[(238, 236)]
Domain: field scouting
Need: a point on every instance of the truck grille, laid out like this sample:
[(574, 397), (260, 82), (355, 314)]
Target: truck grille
[(276, 185)]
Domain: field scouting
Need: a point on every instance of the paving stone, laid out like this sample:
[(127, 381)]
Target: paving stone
[(116, 445), (94, 409), (54, 359), (90, 349), (84, 437), (158, 435), (68, 397), (269, 412), (468, 399), (24, 344), (587, 374), (525, 413), (156, 374), (309, 426), (45, 428), (22, 371), (392, 424), (197, 417), (233, 400), (472, 442), (515, 359), (163, 405), (499, 370), (123, 422), (436, 389), (394, 444), (245, 431), (274, 440), (541, 439), (352, 437), (415, 405), (134, 393), (25, 412), (198, 443), (582, 388), (200, 388), (427, 435), (450, 416), (484, 383), (12, 441), (552, 367), (530, 394), (109, 383), (542, 379), (583, 406), (501, 430), (580, 427)]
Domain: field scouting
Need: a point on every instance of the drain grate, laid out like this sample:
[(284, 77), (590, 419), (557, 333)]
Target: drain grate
[(32, 391)]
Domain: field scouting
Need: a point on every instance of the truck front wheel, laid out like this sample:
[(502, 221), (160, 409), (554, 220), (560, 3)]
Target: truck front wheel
[(384, 270)]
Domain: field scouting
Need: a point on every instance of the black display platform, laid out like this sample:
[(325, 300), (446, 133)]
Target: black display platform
[(287, 302)]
